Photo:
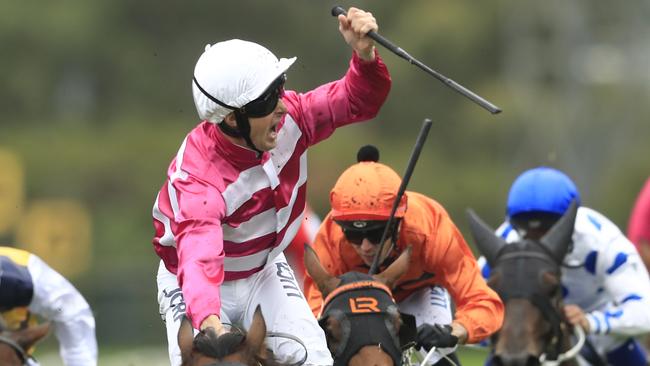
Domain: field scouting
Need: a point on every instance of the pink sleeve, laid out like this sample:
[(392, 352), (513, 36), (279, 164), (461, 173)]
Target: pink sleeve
[(356, 97), (639, 226), (200, 247)]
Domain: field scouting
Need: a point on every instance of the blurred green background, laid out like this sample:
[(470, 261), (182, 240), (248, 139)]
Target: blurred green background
[(95, 99)]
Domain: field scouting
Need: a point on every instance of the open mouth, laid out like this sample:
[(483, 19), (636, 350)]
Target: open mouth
[(273, 131)]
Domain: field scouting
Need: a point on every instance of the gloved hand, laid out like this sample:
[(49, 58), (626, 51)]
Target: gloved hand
[(436, 335)]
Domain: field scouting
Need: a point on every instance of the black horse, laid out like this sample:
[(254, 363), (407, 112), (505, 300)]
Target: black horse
[(526, 275)]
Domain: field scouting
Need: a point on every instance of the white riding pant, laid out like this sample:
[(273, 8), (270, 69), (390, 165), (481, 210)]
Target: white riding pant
[(283, 305), (430, 305)]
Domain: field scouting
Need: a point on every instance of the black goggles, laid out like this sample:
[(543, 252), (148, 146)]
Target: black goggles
[(266, 103), (534, 221), (356, 231)]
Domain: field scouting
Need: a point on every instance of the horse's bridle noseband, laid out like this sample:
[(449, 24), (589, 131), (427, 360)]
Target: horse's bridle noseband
[(16, 347)]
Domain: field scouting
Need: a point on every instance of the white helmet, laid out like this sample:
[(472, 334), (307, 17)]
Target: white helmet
[(232, 73)]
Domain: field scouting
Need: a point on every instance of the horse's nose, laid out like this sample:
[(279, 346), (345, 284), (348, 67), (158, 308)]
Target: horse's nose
[(521, 359)]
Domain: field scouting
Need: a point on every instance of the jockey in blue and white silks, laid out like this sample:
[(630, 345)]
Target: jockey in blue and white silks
[(29, 286), (605, 286)]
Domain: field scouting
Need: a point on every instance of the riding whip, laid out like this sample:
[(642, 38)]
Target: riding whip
[(337, 10), (424, 132)]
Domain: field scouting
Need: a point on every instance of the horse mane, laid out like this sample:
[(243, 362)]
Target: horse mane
[(207, 344)]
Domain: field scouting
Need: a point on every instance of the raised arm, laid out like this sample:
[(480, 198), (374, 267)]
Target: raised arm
[(356, 97)]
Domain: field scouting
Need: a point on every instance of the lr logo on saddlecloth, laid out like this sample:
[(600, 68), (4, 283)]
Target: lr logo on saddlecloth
[(364, 305)]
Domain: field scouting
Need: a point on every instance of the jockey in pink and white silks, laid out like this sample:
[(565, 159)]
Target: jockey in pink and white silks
[(28, 287), (235, 192), (606, 288)]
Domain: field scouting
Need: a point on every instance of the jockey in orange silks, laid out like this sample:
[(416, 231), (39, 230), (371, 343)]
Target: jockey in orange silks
[(441, 262)]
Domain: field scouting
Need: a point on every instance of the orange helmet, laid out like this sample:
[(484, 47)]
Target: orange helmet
[(366, 190)]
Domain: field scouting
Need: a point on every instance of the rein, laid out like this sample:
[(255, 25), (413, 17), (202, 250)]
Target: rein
[(16, 347), (280, 335), (293, 338), (570, 353)]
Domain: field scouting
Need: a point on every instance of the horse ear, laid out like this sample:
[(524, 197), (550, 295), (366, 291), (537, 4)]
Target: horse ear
[(334, 331), (487, 242), (26, 338), (185, 339), (257, 332), (558, 238), (325, 282), (396, 270)]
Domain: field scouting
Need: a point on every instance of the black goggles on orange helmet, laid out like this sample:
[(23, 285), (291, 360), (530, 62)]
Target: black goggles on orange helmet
[(266, 103), (357, 230)]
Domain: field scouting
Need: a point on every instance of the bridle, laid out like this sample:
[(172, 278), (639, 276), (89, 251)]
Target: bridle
[(372, 314), (548, 306), (568, 354), (20, 352)]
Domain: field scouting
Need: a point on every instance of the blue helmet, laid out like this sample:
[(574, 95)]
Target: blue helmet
[(541, 189)]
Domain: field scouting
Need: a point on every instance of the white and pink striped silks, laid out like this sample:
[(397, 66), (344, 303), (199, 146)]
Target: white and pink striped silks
[(223, 213)]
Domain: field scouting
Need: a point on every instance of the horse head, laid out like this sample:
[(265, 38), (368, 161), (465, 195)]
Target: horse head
[(233, 348), (14, 344), (359, 315), (526, 275)]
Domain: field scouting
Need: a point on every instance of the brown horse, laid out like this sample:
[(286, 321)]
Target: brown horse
[(14, 344), (234, 348), (526, 275), (359, 316)]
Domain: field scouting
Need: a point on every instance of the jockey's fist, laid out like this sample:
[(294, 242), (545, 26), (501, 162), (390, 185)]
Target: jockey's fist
[(436, 335), (576, 316), (212, 321), (354, 26)]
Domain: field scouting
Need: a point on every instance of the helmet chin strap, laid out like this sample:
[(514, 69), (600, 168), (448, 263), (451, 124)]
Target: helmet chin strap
[(243, 130)]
